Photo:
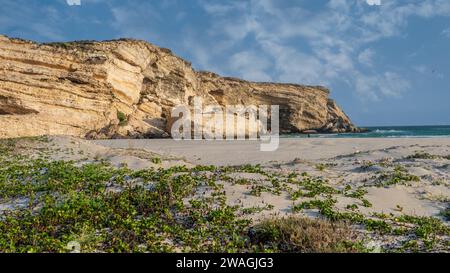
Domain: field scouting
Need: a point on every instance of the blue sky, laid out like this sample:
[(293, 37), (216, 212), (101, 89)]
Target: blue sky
[(385, 65)]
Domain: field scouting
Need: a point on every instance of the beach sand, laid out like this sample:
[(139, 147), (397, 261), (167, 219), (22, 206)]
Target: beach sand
[(398, 176), (340, 161), (248, 152)]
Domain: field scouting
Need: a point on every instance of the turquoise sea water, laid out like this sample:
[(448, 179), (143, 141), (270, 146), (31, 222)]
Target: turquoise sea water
[(393, 132)]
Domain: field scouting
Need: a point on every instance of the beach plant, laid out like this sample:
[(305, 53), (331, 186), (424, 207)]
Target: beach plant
[(156, 160), (107, 209), (321, 167), (312, 187), (242, 181), (422, 155), (366, 203), (398, 176), (326, 208), (422, 233), (256, 190), (257, 209), (51, 204), (76, 204), (123, 120), (358, 193), (425, 227), (248, 168), (352, 207), (428, 231)]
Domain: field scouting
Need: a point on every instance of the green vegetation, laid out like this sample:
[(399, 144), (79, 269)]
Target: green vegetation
[(258, 209), (156, 160), (69, 203), (153, 210), (352, 207), (321, 167), (366, 203), (358, 193), (312, 187), (422, 155), (425, 227), (123, 120), (258, 189), (109, 209), (106, 209), (426, 230), (398, 176), (85, 45), (65, 45), (326, 208), (243, 181)]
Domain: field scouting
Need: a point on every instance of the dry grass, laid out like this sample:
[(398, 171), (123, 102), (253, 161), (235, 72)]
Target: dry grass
[(295, 234)]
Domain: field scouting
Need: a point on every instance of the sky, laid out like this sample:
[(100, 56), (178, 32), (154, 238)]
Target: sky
[(386, 64)]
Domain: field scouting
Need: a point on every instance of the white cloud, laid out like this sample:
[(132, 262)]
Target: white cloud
[(258, 39), (392, 16), (74, 2), (366, 57), (321, 47), (251, 65), (393, 85), (388, 84), (292, 65), (373, 2), (263, 40)]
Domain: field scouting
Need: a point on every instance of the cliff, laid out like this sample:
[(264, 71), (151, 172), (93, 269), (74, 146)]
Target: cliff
[(127, 88)]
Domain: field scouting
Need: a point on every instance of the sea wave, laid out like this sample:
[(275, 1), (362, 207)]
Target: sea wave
[(419, 136), (392, 131)]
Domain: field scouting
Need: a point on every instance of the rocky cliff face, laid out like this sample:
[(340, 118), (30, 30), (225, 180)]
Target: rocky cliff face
[(127, 88)]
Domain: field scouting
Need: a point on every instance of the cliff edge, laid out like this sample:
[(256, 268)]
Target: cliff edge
[(127, 88)]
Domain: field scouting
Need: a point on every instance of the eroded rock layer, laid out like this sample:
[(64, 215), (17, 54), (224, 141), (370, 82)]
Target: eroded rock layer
[(127, 88)]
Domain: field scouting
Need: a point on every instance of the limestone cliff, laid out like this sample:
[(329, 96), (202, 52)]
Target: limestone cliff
[(127, 88)]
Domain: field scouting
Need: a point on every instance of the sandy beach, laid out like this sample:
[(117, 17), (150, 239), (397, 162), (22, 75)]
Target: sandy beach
[(248, 152), (340, 161), (376, 180)]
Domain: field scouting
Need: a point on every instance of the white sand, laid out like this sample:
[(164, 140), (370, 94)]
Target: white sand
[(344, 160), (343, 157), (248, 152)]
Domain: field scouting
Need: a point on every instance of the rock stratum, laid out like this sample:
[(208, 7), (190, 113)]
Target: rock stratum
[(127, 88)]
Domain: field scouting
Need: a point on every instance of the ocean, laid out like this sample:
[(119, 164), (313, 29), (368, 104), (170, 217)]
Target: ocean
[(390, 132)]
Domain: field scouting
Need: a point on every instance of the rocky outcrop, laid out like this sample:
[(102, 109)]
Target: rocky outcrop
[(127, 88)]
